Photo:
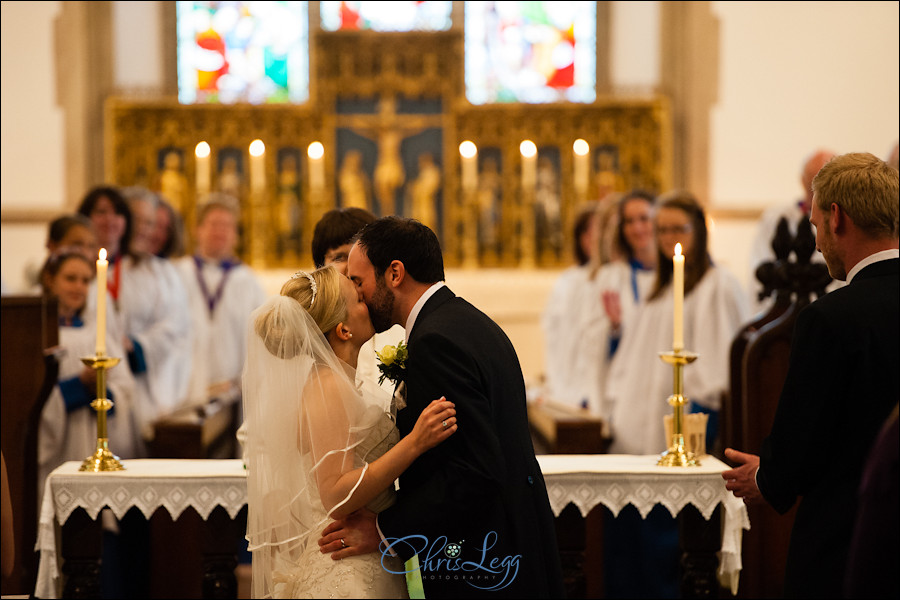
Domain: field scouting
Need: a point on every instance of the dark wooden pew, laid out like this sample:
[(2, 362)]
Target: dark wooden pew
[(30, 334)]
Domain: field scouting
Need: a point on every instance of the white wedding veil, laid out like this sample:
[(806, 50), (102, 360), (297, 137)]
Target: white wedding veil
[(304, 418)]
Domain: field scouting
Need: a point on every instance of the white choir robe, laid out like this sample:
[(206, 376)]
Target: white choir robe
[(219, 341), (153, 306), (570, 290), (622, 278), (578, 331), (640, 383), (65, 436)]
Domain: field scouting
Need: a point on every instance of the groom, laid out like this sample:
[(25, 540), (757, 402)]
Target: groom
[(475, 508)]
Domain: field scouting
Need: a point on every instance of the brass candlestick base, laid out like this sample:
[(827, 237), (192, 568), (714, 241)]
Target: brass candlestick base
[(102, 459), (676, 455)]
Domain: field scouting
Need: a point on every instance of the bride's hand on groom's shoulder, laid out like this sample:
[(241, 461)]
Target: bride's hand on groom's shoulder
[(353, 535), (436, 423)]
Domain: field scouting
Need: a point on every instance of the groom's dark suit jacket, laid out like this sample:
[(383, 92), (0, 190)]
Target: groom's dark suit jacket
[(484, 482), (842, 384)]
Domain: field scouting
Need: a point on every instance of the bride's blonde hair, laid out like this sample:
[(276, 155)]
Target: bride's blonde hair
[(319, 294), (322, 300)]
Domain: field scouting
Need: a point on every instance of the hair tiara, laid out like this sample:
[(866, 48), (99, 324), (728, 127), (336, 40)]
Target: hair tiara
[(312, 284)]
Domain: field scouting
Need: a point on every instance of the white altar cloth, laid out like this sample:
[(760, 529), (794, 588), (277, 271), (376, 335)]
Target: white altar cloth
[(613, 480), (616, 480), (174, 484)]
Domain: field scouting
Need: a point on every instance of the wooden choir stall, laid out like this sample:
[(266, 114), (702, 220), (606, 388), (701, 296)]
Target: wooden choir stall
[(30, 336)]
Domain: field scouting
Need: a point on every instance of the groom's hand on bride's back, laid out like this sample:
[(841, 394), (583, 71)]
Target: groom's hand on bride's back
[(353, 535)]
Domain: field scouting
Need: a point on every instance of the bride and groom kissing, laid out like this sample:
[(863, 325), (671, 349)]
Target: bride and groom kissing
[(471, 517)]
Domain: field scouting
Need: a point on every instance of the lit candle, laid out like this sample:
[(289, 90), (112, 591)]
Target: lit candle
[(102, 265), (468, 151), (316, 154), (202, 152), (257, 166), (529, 165), (581, 174), (678, 287)]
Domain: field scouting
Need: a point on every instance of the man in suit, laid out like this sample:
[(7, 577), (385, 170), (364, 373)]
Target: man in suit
[(842, 382), (475, 508)]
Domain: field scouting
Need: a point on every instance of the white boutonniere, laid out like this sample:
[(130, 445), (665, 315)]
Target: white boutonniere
[(392, 363)]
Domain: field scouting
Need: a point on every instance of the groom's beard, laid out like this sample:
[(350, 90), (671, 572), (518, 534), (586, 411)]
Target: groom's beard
[(381, 308)]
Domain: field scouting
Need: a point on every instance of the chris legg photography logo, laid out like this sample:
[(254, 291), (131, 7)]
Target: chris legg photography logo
[(445, 560)]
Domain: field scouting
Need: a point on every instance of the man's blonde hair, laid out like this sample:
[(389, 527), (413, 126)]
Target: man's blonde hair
[(863, 186)]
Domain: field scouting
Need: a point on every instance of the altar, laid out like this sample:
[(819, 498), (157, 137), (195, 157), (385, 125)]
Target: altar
[(73, 501)]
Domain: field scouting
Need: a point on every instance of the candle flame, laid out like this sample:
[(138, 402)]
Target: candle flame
[(581, 147), (315, 150), (257, 148), (528, 149), (468, 149), (102, 253), (678, 249), (202, 150)]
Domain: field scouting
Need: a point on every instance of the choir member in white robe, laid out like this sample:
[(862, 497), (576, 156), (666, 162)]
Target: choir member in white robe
[(622, 286), (151, 302), (68, 429), (585, 327), (563, 316), (222, 292), (715, 307)]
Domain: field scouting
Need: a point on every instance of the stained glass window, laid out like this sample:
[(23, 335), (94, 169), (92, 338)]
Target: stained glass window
[(531, 52), (256, 52), (385, 16)]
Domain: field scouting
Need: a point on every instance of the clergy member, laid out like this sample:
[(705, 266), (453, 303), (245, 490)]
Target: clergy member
[(222, 291)]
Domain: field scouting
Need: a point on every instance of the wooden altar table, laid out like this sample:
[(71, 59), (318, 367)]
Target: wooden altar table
[(216, 489)]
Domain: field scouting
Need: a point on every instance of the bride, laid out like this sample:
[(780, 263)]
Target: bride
[(320, 446)]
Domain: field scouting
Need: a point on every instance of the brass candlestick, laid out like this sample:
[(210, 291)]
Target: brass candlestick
[(102, 459), (676, 455)]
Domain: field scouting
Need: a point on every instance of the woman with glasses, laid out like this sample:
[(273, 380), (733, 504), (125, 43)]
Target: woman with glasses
[(639, 385)]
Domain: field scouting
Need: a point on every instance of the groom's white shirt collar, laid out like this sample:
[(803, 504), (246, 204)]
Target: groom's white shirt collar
[(417, 307)]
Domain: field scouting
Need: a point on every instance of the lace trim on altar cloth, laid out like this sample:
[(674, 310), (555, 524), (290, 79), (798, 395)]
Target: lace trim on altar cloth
[(147, 484), (618, 480)]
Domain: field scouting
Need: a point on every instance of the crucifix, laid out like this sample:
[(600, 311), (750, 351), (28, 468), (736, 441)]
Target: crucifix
[(388, 129)]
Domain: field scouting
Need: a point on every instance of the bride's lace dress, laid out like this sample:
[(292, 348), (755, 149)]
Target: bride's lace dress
[(317, 575)]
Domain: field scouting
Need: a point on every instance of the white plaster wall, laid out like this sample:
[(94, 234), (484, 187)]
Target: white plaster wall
[(634, 45), (795, 76), (31, 160), (138, 55)]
